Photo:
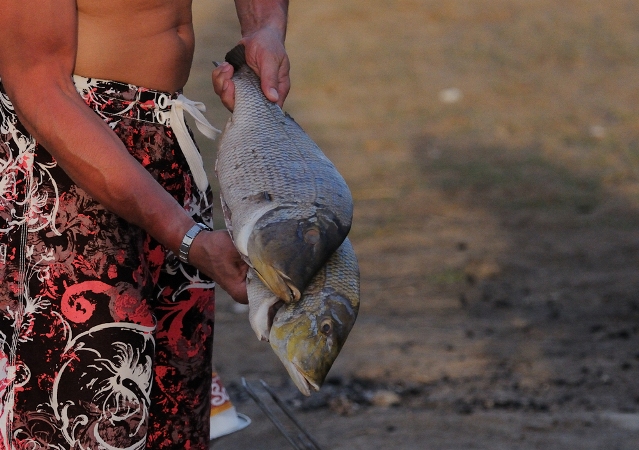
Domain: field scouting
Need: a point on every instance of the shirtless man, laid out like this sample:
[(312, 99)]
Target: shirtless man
[(106, 300)]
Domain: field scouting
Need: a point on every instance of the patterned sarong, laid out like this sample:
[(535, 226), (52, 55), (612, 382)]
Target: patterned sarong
[(105, 337)]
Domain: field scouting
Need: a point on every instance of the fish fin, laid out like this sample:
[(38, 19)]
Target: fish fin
[(261, 304), (292, 122), (236, 57)]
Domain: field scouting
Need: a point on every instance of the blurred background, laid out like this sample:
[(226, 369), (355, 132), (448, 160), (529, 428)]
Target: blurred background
[(492, 148)]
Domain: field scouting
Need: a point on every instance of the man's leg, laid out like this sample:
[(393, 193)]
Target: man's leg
[(76, 329)]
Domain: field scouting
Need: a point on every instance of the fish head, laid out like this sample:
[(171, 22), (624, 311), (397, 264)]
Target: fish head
[(308, 339), (289, 244)]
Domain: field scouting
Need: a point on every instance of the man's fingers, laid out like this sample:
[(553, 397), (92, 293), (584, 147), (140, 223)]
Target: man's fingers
[(266, 55), (237, 291), (228, 95), (269, 81), (274, 80), (270, 92), (221, 73), (241, 295), (223, 86), (284, 78)]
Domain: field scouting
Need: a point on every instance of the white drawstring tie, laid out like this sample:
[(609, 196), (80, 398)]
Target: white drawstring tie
[(176, 122)]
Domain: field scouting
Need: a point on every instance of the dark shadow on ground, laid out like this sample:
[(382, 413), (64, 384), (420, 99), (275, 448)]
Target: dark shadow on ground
[(557, 308)]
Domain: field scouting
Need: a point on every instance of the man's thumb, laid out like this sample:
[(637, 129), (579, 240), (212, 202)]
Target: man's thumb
[(268, 87)]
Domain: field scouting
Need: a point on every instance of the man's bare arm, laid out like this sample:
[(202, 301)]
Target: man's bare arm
[(263, 26), (37, 57)]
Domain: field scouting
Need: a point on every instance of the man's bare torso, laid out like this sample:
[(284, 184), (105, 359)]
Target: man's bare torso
[(148, 43)]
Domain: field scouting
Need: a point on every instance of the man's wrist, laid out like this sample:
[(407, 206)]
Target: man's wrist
[(187, 241), (258, 15), (277, 30)]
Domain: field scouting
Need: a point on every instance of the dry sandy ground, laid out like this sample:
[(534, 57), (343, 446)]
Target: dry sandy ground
[(492, 148)]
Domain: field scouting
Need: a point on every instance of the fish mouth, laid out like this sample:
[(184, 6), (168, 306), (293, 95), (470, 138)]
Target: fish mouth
[(303, 383), (277, 281)]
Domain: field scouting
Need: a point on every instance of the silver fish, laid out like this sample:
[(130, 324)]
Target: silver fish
[(308, 335), (286, 205)]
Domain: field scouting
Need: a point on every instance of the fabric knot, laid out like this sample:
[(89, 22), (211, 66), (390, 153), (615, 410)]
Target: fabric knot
[(176, 122)]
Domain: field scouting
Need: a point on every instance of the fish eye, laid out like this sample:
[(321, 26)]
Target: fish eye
[(326, 327)]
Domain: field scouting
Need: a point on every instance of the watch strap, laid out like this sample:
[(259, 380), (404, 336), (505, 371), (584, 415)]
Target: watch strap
[(187, 240)]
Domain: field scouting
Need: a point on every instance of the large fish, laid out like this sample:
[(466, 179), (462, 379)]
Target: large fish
[(287, 207), (308, 335)]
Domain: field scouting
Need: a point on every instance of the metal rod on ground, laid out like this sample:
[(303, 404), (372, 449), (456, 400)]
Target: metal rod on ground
[(269, 414), (289, 413), (307, 445)]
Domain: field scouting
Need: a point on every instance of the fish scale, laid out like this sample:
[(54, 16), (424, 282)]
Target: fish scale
[(285, 171), (286, 205)]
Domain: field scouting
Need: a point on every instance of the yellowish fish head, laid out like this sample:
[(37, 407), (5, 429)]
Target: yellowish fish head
[(308, 339)]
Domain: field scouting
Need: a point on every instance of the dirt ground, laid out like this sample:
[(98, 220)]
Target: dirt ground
[(492, 148)]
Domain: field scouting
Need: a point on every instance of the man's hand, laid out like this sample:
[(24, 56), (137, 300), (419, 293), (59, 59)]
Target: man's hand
[(267, 57), (214, 254), (263, 30)]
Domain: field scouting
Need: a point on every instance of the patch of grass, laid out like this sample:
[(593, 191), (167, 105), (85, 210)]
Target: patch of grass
[(447, 277)]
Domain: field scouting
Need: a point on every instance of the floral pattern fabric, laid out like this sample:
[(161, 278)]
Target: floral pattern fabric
[(105, 337)]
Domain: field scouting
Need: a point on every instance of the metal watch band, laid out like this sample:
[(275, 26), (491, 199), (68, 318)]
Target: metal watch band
[(187, 240)]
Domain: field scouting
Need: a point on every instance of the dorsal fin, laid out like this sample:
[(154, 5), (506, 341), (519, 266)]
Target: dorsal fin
[(236, 57)]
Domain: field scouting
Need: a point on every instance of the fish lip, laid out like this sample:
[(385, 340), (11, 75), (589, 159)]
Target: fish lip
[(280, 284), (302, 382), (294, 292)]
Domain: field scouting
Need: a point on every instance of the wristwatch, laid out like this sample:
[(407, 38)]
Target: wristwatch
[(187, 240)]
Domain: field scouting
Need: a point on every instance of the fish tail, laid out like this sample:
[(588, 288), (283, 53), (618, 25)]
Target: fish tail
[(236, 57)]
